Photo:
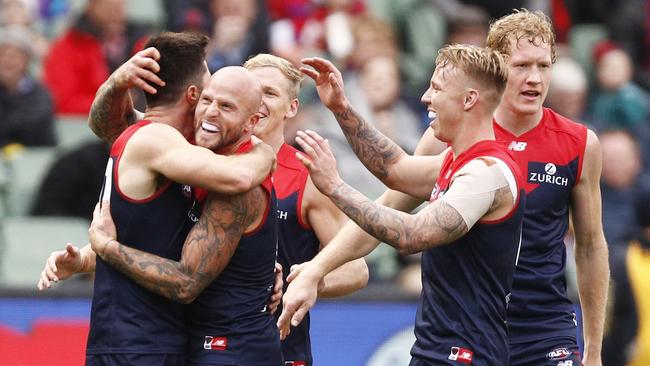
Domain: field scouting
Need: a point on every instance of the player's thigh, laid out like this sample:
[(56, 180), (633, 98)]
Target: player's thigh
[(546, 353), (133, 359)]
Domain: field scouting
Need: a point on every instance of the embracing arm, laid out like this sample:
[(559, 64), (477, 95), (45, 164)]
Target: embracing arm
[(206, 252), (164, 150), (112, 109), (591, 251)]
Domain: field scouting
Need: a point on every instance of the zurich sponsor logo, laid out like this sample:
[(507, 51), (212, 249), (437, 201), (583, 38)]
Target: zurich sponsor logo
[(558, 354), (548, 176), (550, 169)]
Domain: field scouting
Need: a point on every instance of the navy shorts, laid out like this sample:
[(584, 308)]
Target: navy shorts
[(135, 359), (552, 352)]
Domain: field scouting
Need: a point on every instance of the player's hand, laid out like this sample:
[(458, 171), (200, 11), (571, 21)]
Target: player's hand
[(329, 83), (296, 269), (102, 229), (278, 285), (300, 297), (60, 265), (319, 161), (139, 72)]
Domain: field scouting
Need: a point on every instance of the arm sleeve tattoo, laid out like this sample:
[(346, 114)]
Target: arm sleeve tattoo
[(111, 112), (375, 150), (435, 225), (207, 250)]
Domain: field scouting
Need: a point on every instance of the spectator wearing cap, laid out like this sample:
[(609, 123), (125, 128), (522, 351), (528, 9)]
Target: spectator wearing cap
[(627, 333), (25, 105), (83, 58)]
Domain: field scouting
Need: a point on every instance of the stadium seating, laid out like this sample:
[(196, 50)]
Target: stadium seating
[(25, 173), (72, 131), (27, 242)]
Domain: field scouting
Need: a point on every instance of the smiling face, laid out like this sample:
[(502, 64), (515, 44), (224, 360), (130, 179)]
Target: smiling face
[(227, 110), (278, 102), (528, 77), (444, 101)]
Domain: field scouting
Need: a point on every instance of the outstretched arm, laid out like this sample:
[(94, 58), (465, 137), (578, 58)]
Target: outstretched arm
[(326, 220), (206, 252), (112, 109), (383, 157), (591, 251)]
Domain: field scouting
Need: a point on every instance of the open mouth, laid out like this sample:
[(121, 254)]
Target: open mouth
[(209, 128), (432, 116), (531, 94)]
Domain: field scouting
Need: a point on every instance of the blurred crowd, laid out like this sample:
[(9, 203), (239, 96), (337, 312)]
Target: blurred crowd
[(54, 54)]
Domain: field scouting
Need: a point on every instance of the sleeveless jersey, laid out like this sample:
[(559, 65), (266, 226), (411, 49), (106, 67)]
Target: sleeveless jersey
[(297, 242), (229, 321), (466, 284), (550, 155), (125, 317)]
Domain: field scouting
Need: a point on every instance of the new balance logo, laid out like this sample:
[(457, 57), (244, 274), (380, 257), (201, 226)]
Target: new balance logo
[(460, 354), (215, 343), (517, 146)]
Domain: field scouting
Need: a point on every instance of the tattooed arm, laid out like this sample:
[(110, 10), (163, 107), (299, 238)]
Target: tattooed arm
[(207, 250), (414, 175), (112, 109)]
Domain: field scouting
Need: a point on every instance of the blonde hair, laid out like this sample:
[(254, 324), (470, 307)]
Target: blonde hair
[(286, 68), (534, 26), (485, 65)]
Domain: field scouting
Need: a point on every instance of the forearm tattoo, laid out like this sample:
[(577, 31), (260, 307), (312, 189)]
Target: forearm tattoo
[(375, 150), (435, 225), (111, 112), (207, 250)]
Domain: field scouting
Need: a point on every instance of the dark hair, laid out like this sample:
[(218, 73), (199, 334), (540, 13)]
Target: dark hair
[(182, 63)]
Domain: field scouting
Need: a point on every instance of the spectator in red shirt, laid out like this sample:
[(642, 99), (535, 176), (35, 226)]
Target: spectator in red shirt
[(80, 61)]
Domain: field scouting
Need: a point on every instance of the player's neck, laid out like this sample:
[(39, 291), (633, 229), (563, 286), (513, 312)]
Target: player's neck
[(475, 130), (172, 116), (515, 122)]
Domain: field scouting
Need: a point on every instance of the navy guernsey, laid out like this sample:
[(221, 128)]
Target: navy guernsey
[(461, 316), (297, 243), (229, 321), (550, 155), (125, 317)]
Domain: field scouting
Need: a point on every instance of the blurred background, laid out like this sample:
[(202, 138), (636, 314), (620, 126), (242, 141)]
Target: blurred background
[(54, 54)]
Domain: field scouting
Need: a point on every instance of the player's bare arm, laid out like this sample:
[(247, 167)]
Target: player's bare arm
[(591, 251), (383, 157), (112, 109), (326, 220), (161, 149), (206, 252), (437, 224)]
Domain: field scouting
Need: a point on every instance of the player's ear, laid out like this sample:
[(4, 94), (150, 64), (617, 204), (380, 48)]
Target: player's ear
[(293, 108), (471, 97), (192, 94)]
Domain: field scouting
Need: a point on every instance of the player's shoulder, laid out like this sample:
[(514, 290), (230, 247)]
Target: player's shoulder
[(287, 158), (563, 125)]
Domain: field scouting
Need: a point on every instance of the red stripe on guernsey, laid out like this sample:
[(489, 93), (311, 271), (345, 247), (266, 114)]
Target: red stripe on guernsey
[(118, 149), (291, 176), (267, 184)]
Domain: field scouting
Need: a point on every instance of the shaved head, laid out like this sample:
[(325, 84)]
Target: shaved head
[(243, 83)]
